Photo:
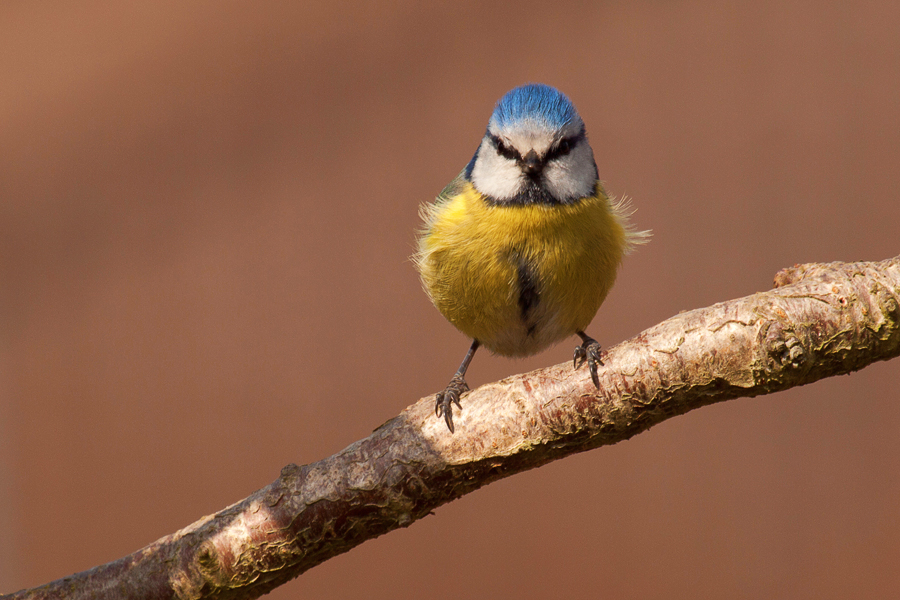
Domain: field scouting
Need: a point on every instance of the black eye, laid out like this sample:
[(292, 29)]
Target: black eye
[(504, 150), (564, 146)]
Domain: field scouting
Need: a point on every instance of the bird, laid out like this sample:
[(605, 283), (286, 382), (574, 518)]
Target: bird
[(521, 248)]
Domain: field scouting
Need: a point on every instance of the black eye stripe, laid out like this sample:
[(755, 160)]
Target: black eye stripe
[(564, 146), (504, 150)]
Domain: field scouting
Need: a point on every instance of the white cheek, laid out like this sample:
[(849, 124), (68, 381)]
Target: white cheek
[(573, 175), (494, 175)]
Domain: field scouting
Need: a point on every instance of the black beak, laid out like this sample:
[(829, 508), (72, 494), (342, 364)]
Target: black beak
[(532, 163)]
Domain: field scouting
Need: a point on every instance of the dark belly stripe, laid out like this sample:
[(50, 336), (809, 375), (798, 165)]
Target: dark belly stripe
[(528, 291)]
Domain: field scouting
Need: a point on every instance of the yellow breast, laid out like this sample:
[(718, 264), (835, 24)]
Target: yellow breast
[(519, 278)]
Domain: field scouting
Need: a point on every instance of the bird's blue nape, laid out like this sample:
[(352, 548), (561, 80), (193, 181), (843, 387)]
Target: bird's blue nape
[(534, 102)]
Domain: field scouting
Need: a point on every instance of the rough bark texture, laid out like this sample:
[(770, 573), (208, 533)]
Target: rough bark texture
[(820, 320)]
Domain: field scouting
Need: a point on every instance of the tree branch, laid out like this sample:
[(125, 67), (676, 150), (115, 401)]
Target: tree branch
[(820, 320)]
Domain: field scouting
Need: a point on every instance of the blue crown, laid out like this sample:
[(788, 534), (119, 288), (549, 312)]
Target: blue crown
[(534, 102)]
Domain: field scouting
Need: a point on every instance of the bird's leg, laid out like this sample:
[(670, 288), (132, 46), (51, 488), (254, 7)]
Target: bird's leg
[(588, 351), (444, 400)]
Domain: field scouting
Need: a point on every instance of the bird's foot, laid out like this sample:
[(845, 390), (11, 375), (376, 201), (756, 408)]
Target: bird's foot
[(445, 400), (589, 352)]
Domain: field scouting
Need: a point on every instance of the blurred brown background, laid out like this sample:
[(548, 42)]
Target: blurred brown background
[(206, 213)]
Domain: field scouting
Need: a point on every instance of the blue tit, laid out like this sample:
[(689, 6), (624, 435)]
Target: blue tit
[(522, 247)]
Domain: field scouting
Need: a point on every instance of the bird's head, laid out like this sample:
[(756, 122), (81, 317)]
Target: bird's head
[(534, 151)]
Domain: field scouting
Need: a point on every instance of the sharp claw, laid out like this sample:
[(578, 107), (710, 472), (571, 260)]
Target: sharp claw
[(443, 406), (589, 352), (580, 354), (594, 377), (449, 419), (445, 400)]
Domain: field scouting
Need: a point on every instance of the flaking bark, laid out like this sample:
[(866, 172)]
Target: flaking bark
[(820, 320)]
